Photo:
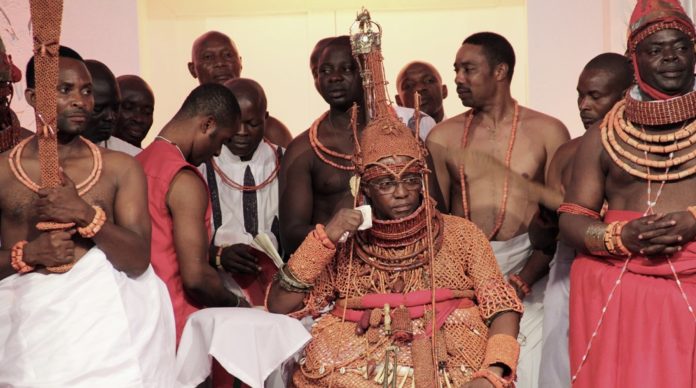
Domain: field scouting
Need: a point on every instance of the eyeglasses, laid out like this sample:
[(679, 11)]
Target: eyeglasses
[(411, 183)]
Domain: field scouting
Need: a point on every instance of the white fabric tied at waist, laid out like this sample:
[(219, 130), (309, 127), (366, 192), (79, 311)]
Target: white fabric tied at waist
[(512, 256), (249, 343), (91, 326), (555, 359)]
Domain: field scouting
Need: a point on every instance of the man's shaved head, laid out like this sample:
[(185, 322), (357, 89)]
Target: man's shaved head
[(132, 81), (245, 88), (421, 77), (316, 53), (137, 107), (619, 66), (602, 83), (107, 99), (100, 70), (214, 58), (417, 64), (252, 103), (210, 35)]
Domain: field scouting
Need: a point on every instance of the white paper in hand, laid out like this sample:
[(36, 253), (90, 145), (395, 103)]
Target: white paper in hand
[(366, 211)]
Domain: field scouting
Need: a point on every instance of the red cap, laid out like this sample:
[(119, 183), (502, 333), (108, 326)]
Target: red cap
[(649, 17)]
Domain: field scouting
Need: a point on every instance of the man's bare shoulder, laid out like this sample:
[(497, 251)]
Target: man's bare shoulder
[(593, 134), (444, 132), (277, 132), (537, 121), (186, 190), (568, 149), (590, 145), (119, 163), (298, 147), (562, 158), (117, 158)]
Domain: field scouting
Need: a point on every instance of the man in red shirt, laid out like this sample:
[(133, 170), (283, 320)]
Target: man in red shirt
[(179, 203)]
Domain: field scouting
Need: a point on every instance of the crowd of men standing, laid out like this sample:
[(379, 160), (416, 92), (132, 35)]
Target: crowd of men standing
[(223, 171)]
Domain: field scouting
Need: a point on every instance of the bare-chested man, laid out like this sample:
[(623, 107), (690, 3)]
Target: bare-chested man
[(215, 58), (313, 182), (137, 107), (523, 140), (311, 189), (602, 83), (179, 202), (107, 99), (423, 78), (635, 268), (107, 321)]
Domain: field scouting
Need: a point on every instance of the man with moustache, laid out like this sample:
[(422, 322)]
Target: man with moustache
[(602, 83), (522, 140), (632, 297), (215, 58), (316, 169), (136, 109), (424, 79), (107, 99), (81, 306)]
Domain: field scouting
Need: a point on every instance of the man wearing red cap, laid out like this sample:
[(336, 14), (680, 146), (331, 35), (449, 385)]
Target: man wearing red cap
[(10, 130), (632, 321)]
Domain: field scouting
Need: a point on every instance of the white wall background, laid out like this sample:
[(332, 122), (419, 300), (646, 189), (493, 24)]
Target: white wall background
[(106, 30), (276, 48), (553, 40), (563, 36)]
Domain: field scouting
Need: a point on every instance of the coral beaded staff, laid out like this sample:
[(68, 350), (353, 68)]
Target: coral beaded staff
[(46, 17)]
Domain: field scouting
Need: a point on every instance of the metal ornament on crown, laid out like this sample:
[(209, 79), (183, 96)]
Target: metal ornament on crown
[(384, 135), (366, 39)]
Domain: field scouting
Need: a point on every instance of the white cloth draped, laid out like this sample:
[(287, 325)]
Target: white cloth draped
[(89, 327), (248, 343), (555, 360), (512, 255)]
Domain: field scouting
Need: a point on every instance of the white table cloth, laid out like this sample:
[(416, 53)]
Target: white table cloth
[(249, 343)]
